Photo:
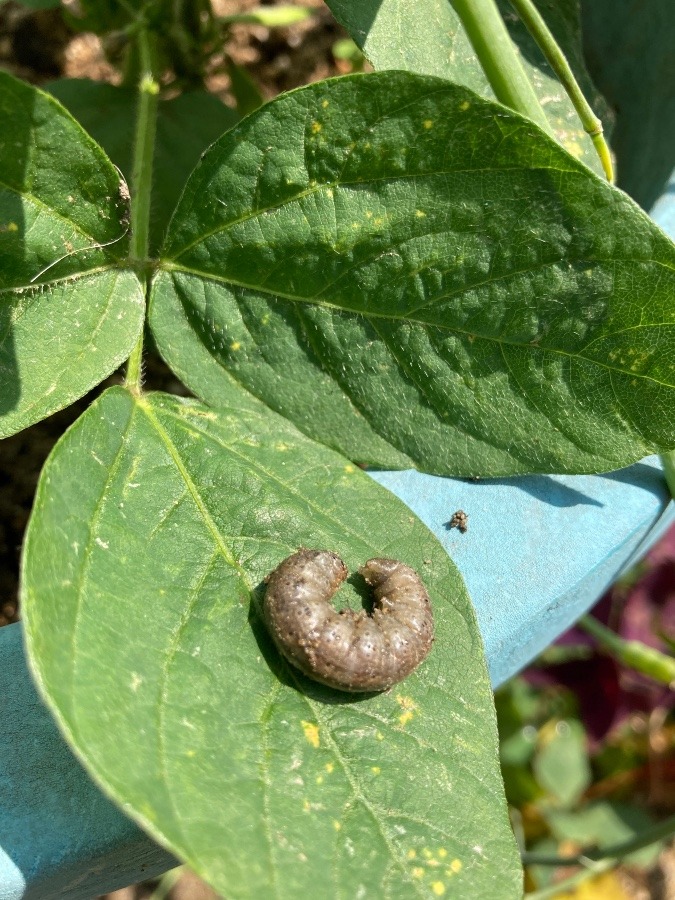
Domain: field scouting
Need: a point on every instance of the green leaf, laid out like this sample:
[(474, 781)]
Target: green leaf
[(561, 767), (387, 259), (630, 53), (186, 125), (69, 314), (604, 824), (427, 37), (155, 522), (244, 89), (37, 4)]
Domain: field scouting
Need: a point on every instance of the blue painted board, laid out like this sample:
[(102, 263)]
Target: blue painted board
[(59, 836)]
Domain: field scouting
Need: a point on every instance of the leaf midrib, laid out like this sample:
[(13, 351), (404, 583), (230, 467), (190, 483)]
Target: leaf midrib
[(390, 317)]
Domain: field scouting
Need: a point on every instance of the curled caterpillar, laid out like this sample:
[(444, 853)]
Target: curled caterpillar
[(348, 650)]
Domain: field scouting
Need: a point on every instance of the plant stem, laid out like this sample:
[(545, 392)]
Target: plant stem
[(498, 57), (668, 463), (141, 181), (166, 883), (271, 17), (596, 861), (634, 654), (535, 24)]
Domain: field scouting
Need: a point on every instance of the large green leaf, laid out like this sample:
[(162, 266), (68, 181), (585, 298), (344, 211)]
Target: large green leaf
[(186, 125), (65, 326), (629, 47), (389, 258), (426, 37), (155, 523)]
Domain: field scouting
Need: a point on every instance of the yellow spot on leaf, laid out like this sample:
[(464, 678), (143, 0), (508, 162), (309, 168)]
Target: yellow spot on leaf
[(420, 214), (411, 854), (442, 853), (316, 127), (306, 806), (319, 779), (574, 148), (464, 105), (349, 469), (408, 706), (438, 888), (329, 193), (375, 770), (379, 736), (426, 853), (329, 767), (418, 872), (428, 123), (311, 732), (337, 825), (325, 103), (456, 865), (190, 753), (235, 345)]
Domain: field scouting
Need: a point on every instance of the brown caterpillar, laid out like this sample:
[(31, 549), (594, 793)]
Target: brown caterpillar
[(348, 650)]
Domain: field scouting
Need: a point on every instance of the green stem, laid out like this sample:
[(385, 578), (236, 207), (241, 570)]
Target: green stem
[(634, 654), (498, 57), (535, 24), (596, 862), (668, 463), (270, 16), (168, 881), (141, 180)]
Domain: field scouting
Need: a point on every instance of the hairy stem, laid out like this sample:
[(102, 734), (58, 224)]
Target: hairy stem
[(141, 180), (535, 24), (498, 57)]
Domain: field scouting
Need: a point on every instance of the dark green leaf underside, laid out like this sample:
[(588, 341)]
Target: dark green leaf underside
[(155, 523), (68, 315), (630, 52), (390, 259)]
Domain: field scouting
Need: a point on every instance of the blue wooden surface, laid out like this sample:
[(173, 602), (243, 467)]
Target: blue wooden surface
[(538, 553)]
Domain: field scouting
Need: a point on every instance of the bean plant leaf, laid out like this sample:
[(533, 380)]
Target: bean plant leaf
[(155, 523), (69, 313), (186, 125), (630, 53), (390, 258), (427, 37)]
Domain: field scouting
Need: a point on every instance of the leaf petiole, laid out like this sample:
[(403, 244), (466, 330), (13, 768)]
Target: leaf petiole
[(535, 24), (635, 654), (141, 180), (498, 56)]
